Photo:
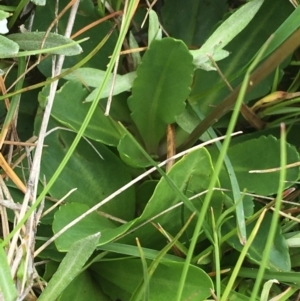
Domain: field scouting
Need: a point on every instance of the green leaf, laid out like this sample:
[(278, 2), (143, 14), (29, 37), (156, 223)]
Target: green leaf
[(130, 154), (144, 193), (7, 286), (90, 225), (93, 77), (209, 88), (293, 239), (154, 30), (92, 170), (125, 249), (70, 267), (71, 111), (279, 259), (118, 279), (191, 23), (8, 47), (33, 41), (44, 15), (160, 89), (225, 33), (83, 287), (265, 156), (195, 170), (191, 175)]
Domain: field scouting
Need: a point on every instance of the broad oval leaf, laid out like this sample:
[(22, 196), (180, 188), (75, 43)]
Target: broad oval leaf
[(259, 154), (93, 169), (87, 226), (160, 89), (119, 279), (7, 47), (90, 225), (71, 111), (33, 41)]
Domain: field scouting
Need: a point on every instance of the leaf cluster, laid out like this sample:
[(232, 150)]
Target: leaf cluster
[(138, 188)]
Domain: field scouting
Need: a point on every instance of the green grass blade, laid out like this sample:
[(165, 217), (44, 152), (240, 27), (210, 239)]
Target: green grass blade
[(237, 196), (133, 251), (216, 255), (291, 278), (218, 167), (137, 295), (274, 222), (241, 258), (16, 13), (7, 286), (146, 279)]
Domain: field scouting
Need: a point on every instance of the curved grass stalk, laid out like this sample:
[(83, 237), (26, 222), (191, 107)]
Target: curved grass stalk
[(242, 256)]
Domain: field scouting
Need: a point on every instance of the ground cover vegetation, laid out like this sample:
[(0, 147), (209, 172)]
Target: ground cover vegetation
[(149, 150)]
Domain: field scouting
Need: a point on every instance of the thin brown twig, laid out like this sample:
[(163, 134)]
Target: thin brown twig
[(95, 23)]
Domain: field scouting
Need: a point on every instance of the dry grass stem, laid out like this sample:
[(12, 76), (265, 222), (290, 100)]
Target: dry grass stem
[(58, 202), (291, 165), (21, 247)]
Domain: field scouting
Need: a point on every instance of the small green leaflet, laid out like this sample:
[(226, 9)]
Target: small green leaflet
[(225, 33)]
